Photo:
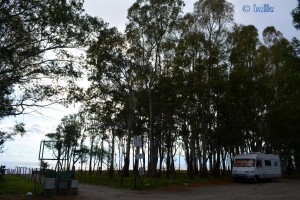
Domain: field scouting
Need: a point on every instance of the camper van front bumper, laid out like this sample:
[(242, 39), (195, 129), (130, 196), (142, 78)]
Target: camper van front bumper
[(246, 175)]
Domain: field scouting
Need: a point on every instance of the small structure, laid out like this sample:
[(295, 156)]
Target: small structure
[(58, 181)]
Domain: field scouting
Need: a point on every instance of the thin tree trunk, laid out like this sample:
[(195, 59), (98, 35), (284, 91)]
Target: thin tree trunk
[(91, 155), (112, 153)]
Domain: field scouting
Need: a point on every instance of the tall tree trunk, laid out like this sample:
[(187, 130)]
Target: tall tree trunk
[(111, 170), (130, 116), (192, 154), (218, 161), (169, 153), (152, 165), (204, 145), (161, 157), (91, 155)]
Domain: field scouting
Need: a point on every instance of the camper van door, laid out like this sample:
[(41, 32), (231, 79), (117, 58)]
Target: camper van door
[(258, 170), (267, 168)]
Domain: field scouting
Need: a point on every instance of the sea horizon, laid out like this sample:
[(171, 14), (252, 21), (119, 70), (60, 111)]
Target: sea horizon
[(15, 164)]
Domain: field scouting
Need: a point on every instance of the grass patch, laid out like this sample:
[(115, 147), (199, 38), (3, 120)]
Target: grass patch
[(144, 182), (294, 176), (13, 184)]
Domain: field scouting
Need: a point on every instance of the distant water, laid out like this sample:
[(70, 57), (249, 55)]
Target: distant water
[(14, 164)]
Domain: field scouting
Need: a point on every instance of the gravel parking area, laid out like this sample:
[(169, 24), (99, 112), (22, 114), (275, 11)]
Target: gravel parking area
[(284, 189)]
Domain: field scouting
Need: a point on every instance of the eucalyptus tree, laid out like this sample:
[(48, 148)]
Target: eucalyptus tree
[(166, 105), (278, 57), (284, 130), (112, 87), (36, 37), (242, 92), (213, 20), (283, 62), (100, 112), (188, 73), (18, 129), (262, 77), (296, 53), (296, 16), (94, 129), (36, 57), (149, 23), (169, 104), (65, 142), (112, 119)]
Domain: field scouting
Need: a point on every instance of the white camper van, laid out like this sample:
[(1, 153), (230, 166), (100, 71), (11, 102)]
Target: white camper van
[(256, 166)]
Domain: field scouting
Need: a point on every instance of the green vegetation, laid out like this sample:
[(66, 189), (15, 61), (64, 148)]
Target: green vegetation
[(144, 182), (13, 184)]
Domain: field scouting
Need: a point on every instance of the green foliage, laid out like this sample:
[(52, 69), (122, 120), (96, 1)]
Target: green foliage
[(197, 79), (296, 16), (35, 40), (142, 182), (67, 142), (4, 136), (13, 184), (18, 129)]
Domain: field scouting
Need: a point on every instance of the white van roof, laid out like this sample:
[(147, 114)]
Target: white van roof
[(246, 156), (255, 155)]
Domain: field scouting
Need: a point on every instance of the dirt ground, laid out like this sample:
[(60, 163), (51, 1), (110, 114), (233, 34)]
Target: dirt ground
[(284, 189)]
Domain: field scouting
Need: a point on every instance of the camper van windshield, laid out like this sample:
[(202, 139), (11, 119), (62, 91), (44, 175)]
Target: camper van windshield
[(244, 162)]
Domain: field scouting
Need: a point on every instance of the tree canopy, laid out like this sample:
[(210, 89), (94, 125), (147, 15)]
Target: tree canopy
[(195, 85), (38, 40), (296, 16)]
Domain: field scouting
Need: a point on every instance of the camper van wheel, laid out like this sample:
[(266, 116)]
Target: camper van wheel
[(273, 179), (255, 179)]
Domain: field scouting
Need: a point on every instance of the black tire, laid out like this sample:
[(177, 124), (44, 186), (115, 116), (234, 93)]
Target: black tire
[(237, 180), (255, 179)]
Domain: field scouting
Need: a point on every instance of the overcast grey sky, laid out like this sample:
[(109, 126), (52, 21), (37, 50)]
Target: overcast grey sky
[(114, 12)]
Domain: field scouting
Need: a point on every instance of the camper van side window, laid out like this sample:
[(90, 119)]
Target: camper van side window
[(268, 163), (275, 163), (244, 162)]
